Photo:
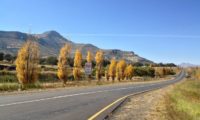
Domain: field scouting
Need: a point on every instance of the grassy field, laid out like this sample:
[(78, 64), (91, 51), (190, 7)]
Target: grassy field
[(8, 81), (47, 78), (183, 102)]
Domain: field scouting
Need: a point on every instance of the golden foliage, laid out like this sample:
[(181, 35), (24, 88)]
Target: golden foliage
[(112, 69), (122, 67), (62, 63), (159, 72), (99, 57), (163, 71), (89, 57), (118, 72), (27, 62), (77, 65), (176, 69), (78, 59), (99, 60), (198, 73), (129, 72)]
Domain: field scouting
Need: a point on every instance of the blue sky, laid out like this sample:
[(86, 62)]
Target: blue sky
[(160, 30)]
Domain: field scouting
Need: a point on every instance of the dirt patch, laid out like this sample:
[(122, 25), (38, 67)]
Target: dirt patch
[(148, 106)]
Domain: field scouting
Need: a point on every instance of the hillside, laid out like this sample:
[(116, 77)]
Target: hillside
[(50, 43), (187, 65)]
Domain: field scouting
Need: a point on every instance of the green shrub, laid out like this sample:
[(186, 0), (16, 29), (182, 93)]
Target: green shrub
[(9, 86), (48, 77), (144, 71), (8, 79), (33, 86)]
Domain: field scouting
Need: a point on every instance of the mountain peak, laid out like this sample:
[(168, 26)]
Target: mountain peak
[(52, 33)]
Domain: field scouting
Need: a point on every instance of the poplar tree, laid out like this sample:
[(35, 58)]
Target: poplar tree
[(63, 64), (122, 67), (118, 72), (99, 60), (129, 72), (112, 69), (77, 65), (89, 57), (27, 62)]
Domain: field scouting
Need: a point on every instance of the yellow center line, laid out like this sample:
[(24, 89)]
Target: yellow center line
[(105, 108)]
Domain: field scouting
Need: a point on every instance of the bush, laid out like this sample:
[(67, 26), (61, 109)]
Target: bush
[(8, 57), (169, 71), (7, 77), (32, 86), (49, 61), (9, 86), (137, 64), (48, 77), (164, 65), (1, 56), (144, 71), (105, 62)]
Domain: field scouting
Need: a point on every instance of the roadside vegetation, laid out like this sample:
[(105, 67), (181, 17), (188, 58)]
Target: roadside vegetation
[(183, 102), (28, 71)]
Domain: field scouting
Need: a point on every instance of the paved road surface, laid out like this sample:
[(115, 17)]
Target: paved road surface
[(68, 104)]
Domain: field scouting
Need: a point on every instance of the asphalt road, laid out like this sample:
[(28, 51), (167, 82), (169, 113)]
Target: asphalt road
[(69, 104)]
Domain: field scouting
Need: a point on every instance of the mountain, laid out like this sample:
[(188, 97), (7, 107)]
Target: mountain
[(186, 65), (50, 43)]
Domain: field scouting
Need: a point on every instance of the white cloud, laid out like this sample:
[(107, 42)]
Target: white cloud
[(132, 35)]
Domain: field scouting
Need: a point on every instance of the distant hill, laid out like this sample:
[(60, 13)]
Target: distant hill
[(186, 65), (51, 41)]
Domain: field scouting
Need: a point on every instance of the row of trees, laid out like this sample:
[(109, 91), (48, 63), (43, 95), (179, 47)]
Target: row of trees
[(162, 71), (28, 59), (51, 60), (119, 70)]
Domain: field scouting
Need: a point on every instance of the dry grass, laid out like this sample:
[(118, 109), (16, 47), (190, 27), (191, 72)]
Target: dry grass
[(183, 101)]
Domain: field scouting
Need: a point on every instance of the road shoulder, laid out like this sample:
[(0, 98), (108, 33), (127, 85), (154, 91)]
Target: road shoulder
[(147, 106)]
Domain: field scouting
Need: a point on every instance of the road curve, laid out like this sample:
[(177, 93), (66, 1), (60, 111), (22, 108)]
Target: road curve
[(69, 104)]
